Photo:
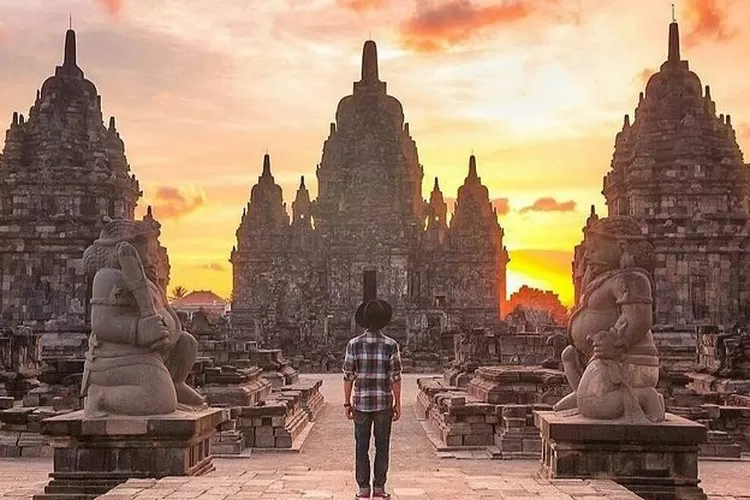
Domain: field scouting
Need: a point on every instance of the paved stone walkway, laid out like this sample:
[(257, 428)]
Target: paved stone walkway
[(301, 484), (329, 449)]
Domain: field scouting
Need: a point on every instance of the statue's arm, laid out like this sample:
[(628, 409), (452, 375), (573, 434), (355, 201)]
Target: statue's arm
[(634, 296), (111, 323)]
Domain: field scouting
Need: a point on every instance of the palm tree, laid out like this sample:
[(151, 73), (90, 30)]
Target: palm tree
[(178, 292)]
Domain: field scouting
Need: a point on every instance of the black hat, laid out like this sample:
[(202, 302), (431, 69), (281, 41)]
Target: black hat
[(374, 314)]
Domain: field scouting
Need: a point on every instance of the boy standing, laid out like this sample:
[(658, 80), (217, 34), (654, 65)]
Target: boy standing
[(372, 367)]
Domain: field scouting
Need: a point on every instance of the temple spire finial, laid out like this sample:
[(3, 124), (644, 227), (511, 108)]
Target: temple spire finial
[(370, 62), (70, 21), (437, 185), (302, 182), (674, 40)]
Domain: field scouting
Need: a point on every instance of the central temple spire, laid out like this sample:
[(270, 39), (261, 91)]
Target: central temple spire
[(370, 62), (674, 43), (266, 165), (473, 167), (70, 49)]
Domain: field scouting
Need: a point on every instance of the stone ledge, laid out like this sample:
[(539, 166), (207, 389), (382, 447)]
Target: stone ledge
[(180, 424), (674, 430)]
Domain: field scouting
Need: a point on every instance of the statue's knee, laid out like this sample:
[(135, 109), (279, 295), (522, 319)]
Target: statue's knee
[(569, 355), (188, 343)]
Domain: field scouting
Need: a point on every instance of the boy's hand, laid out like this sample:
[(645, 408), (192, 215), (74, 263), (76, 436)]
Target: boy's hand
[(396, 411), (349, 412)]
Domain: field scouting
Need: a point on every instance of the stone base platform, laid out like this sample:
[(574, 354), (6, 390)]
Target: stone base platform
[(92, 456), (655, 461)]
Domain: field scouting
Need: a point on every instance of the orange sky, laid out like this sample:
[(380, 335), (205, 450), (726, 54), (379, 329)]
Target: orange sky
[(537, 89)]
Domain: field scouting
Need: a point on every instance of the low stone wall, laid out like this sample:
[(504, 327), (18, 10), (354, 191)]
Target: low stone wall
[(228, 440), (229, 386), (728, 428), (311, 399), (20, 430), (518, 385), (462, 420), (274, 424), (275, 368), (516, 436)]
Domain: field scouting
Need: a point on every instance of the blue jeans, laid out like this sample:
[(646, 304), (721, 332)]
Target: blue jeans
[(365, 425)]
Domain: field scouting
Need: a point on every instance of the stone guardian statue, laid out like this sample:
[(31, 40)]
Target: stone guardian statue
[(139, 357), (612, 364)]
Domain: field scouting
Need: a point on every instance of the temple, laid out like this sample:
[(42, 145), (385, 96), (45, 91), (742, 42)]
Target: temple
[(369, 232), (62, 174), (678, 168)]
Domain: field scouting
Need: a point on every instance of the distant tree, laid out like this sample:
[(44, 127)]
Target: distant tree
[(178, 292)]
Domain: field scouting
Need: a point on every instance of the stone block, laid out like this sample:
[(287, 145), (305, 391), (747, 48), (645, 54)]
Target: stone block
[(658, 461), (453, 440), (283, 441), (478, 439), (91, 456), (264, 441)]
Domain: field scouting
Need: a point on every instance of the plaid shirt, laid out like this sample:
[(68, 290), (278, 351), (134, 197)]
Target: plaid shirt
[(373, 363)]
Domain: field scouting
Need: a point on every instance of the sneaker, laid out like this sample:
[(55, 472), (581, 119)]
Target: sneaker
[(362, 494), (381, 494)]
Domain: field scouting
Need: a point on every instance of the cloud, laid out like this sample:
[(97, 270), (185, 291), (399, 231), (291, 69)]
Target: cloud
[(113, 7), (502, 205), (445, 24), (363, 5), (708, 21), (213, 266), (171, 203), (549, 204)]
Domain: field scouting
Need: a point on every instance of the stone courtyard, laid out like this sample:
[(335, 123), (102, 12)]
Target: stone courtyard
[(323, 469)]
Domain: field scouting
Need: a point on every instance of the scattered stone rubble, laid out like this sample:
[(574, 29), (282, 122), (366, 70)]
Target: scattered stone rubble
[(262, 415), (275, 368), (494, 410)]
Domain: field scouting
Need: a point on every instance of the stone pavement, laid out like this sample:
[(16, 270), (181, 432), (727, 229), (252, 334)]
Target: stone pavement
[(301, 484), (330, 445)]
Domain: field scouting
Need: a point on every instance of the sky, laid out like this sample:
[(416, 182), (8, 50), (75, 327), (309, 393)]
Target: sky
[(536, 89)]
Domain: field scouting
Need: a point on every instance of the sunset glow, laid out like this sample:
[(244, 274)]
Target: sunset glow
[(536, 89)]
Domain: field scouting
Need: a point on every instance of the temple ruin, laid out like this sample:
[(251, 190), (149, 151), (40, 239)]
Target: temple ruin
[(62, 174), (678, 168), (296, 282)]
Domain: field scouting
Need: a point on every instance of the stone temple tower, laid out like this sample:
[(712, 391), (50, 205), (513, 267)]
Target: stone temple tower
[(369, 208), (678, 168), (369, 233), (62, 173)]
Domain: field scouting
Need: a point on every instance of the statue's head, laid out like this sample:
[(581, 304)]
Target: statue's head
[(143, 235), (615, 243)]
